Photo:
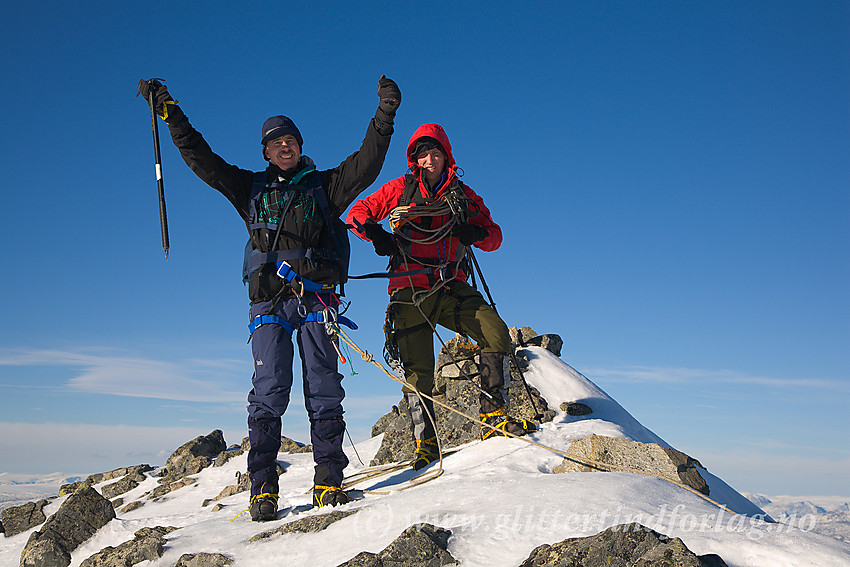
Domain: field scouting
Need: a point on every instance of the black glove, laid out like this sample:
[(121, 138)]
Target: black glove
[(383, 241), (161, 97), (389, 96), (468, 233)]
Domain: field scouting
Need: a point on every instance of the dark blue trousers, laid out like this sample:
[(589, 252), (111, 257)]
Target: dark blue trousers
[(273, 352)]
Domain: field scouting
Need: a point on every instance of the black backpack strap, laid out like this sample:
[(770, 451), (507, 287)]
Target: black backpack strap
[(410, 190), (339, 235), (322, 200)]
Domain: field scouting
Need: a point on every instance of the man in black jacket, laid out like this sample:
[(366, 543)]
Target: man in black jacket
[(292, 268)]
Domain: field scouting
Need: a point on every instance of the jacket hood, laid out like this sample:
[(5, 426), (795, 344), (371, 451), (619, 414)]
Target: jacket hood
[(430, 131)]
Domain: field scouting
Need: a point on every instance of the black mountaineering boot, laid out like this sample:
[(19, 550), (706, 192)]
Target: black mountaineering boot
[(495, 377), (263, 508), (263, 504), (426, 453), (329, 496), (421, 416), (325, 489), (503, 422)]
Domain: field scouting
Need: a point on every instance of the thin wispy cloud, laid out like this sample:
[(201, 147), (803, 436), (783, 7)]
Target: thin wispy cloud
[(673, 375), (103, 372), (44, 447)]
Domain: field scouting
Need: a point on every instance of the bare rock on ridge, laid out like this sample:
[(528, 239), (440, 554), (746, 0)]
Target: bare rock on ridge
[(420, 545), (627, 545), (135, 472), (203, 560), (79, 518), (193, 456), (649, 458), (18, 519), (146, 545)]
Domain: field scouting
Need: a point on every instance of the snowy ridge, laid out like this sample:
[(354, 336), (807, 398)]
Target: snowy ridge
[(499, 494)]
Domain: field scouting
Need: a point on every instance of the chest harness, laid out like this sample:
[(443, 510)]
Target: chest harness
[(305, 187), (428, 221)]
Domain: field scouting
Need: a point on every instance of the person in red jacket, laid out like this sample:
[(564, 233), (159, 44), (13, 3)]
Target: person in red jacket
[(434, 218)]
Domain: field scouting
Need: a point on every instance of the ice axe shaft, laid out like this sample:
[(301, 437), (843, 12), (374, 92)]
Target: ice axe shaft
[(537, 415), (163, 217)]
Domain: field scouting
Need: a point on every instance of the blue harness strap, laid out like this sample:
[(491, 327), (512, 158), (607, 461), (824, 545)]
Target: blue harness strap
[(285, 271), (313, 317), (269, 320)]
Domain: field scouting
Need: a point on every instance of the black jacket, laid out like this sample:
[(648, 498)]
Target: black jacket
[(342, 185)]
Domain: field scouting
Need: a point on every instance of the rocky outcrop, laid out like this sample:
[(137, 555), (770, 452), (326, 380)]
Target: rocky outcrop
[(164, 489), (243, 484), (134, 505), (146, 545), (575, 408), (128, 482), (79, 517), (193, 456), (456, 385), (18, 519), (420, 545), (203, 560), (227, 454), (190, 458), (306, 525), (525, 336), (628, 545), (649, 458), (135, 472), (288, 445)]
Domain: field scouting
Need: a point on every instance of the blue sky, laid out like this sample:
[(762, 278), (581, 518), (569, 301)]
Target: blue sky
[(671, 179)]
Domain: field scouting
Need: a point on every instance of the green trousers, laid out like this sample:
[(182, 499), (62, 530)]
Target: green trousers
[(458, 307)]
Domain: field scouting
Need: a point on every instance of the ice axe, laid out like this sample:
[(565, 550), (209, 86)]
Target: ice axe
[(163, 217)]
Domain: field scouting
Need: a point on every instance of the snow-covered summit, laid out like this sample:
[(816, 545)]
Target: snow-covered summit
[(499, 498)]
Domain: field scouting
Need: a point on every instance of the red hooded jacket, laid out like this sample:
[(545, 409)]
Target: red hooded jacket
[(377, 206)]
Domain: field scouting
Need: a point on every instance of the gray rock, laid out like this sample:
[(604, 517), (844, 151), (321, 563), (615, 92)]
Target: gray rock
[(136, 471), (575, 408), (18, 519), (526, 336), (227, 454), (363, 559), (306, 525), (521, 335), (146, 545), (552, 343), (164, 489), (134, 505), (243, 483), (125, 484), (79, 517), (203, 560), (384, 421), (45, 553), (420, 545), (193, 456), (648, 458), (628, 545), (71, 488), (288, 445)]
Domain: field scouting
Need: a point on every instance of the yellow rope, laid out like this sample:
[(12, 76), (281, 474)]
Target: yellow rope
[(605, 467)]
